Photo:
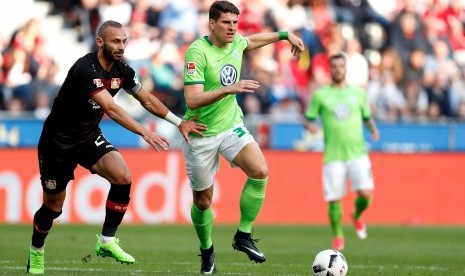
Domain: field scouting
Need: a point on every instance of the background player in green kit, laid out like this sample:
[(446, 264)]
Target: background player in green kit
[(211, 82), (342, 110)]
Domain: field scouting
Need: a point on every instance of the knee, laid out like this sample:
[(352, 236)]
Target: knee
[(124, 177), (365, 194), (259, 172), (202, 205), (202, 201), (54, 203)]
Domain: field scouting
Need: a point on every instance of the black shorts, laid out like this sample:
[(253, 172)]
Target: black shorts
[(57, 165)]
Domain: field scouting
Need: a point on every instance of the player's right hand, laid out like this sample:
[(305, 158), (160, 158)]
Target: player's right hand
[(244, 86)]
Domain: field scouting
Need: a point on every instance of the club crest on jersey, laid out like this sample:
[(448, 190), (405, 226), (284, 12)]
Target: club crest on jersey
[(342, 112), (98, 83), (228, 75), (50, 184), (191, 68), (115, 82)]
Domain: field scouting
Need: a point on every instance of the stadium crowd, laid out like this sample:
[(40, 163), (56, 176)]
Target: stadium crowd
[(409, 55)]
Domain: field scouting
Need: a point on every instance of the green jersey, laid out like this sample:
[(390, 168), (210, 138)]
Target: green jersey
[(342, 112), (214, 68)]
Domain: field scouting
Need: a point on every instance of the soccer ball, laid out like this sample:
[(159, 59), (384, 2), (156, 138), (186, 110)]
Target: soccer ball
[(330, 263)]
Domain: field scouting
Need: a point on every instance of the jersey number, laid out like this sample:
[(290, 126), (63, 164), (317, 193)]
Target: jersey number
[(240, 131), (100, 140)]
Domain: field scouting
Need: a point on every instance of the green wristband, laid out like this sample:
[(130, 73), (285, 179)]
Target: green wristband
[(283, 35)]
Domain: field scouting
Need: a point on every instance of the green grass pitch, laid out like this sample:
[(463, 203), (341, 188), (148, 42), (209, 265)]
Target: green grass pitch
[(173, 250)]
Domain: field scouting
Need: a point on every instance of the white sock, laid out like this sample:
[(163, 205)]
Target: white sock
[(38, 248), (105, 239)]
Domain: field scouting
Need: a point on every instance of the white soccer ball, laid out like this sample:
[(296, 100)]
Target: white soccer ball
[(330, 262)]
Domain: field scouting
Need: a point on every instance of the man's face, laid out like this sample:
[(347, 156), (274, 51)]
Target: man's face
[(338, 70), (113, 44), (225, 27)]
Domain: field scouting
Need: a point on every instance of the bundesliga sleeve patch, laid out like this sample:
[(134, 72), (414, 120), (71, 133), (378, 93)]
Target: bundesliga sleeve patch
[(191, 68)]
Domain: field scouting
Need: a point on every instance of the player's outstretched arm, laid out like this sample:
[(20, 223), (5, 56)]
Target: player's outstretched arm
[(157, 108), (196, 98), (311, 126), (119, 115), (262, 39), (371, 125)]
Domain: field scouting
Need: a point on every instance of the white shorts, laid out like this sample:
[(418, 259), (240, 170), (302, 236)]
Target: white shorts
[(335, 176), (202, 154)]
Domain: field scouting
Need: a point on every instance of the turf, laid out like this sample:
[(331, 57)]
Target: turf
[(173, 250)]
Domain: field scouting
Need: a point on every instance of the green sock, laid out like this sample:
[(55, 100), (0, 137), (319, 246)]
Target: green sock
[(361, 203), (251, 202), (335, 218), (203, 221)]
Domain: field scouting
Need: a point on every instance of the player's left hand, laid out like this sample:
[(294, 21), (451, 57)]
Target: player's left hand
[(191, 126), (297, 44)]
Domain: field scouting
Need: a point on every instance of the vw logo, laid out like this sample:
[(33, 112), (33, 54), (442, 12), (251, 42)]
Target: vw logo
[(228, 75), (342, 112)]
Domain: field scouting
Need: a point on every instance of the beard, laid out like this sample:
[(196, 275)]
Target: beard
[(109, 55)]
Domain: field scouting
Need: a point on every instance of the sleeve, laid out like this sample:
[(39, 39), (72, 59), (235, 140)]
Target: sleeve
[(88, 80), (133, 85), (366, 112), (244, 42), (313, 108), (194, 67)]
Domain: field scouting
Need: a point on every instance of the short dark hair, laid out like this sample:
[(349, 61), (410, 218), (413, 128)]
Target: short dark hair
[(219, 7), (107, 24), (339, 55)]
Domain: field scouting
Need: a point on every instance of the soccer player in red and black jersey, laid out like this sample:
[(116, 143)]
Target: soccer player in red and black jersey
[(71, 136)]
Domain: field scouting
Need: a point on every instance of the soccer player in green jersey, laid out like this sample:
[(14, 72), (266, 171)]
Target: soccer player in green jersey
[(342, 110), (211, 82)]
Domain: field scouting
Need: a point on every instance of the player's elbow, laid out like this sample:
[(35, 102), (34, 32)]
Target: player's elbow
[(192, 104)]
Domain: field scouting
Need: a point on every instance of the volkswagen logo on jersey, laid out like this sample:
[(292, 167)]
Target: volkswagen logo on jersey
[(228, 75), (341, 112)]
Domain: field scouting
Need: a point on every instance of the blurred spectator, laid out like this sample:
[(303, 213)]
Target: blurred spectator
[(119, 10), (357, 64), (140, 45), (416, 101), (19, 67), (43, 84), (179, 16), (391, 62), (457, 42), (414, 69), (15, 107), (406, 37), (289, 14), (439, 95), (322, 18), (41, 105), (461, 111), (439, 61), (385, 98), (83, 15)]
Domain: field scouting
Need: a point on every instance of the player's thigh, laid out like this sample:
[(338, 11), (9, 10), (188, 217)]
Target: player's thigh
[(239, 147), (113, 167), (360, 174), (102, 158), (334, 180), (251, 160), (56, 167), (202, 161)]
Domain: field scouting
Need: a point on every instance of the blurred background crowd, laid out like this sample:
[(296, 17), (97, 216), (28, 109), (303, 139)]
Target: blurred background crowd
[(409, 55)]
